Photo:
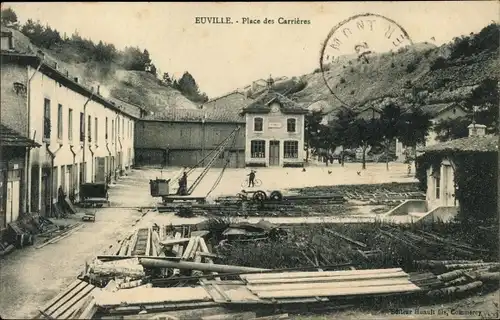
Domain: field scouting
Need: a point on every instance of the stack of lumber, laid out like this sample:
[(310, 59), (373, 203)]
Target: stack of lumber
[(72, 303), (461, 276), (329, 283)]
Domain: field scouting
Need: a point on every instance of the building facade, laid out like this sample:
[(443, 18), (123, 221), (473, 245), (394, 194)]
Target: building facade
[(274, 131), (84, 137), (442, 186), (178, 138)]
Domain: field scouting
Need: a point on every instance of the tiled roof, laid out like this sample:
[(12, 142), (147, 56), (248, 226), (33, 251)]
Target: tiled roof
[(12, 138), (224, 109), (435, 109), (196, 115), (487, 143), (263, 104)]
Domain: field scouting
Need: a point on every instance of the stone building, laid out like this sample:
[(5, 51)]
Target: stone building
[(274, 131), (84, 137), (183, 137)]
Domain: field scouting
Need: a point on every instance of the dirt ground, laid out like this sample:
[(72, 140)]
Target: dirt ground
[(31, 277), (286, 178)]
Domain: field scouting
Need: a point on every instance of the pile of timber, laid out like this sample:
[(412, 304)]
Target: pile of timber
[(423, 242), (460, 276)]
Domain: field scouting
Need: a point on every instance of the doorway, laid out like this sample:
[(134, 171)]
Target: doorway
[(274, 153), (12, 205), (46, 193), (448, 186)]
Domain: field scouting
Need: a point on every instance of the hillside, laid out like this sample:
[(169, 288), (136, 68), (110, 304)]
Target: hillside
[(423, 73), (136, 87)]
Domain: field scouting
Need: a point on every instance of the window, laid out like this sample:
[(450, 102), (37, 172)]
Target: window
[(290, 125), (59, 122), (96, 131), (291, 149), (437, 181), (82, 127), (70, 125), (89, 128), (258, 148), (106, 129), (46, 119), (258, 124)]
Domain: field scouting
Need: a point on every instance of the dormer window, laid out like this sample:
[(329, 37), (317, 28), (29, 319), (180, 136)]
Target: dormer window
[(291, 125), (258, 124)]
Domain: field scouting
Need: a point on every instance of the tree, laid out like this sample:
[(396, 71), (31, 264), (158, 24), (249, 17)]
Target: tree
[(166, 79), (390, 126), (485, 97), (365, 133), (340, 131), (312, 128), (414, 128), (452, 128), (189, 88), (9, 17)]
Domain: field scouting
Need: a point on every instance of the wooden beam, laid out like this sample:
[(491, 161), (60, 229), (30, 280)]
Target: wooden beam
[(336, 292)]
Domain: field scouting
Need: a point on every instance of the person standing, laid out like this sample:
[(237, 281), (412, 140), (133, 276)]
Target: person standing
[(251, 179)]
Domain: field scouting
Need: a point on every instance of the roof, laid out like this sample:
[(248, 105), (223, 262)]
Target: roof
[(232, 104), (57, 75), (487, 143), (263, 104), (435, 109), (11, 138), (197, 115)]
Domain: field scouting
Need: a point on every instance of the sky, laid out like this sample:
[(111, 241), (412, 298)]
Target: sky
[(224, 57)]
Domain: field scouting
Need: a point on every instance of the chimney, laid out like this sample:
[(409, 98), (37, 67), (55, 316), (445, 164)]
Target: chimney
[(76, 79), (55, 65), (476, 130), (270, 82), (98, 87)]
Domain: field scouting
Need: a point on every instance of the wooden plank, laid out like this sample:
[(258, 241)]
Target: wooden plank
[(67, 296), (336, 292), (148, 243), (61, 294), (306, 274), (68, 314), (324, 279), (188, 248), (132, 244), (171, 242), (339, 284), (346, 238), (142, 296), (71, 303)]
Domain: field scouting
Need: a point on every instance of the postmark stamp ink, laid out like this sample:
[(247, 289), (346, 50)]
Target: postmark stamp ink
[(360, 36)]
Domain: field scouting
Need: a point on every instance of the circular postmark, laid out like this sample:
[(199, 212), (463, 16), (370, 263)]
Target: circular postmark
[(358, 37)]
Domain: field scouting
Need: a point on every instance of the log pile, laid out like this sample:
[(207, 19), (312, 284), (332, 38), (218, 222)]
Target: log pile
[(460, 276)]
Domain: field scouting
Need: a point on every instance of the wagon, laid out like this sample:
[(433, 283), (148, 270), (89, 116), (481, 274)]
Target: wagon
[(94, 194)]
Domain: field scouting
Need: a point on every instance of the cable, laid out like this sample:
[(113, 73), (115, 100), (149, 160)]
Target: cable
[(205, 157), (219, 178), (218, 151)]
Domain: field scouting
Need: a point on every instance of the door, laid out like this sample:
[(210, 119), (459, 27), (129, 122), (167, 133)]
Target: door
[(448, 186), (8, 207), (45, 201), (71, 181), (274, 153), (100, 170)]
